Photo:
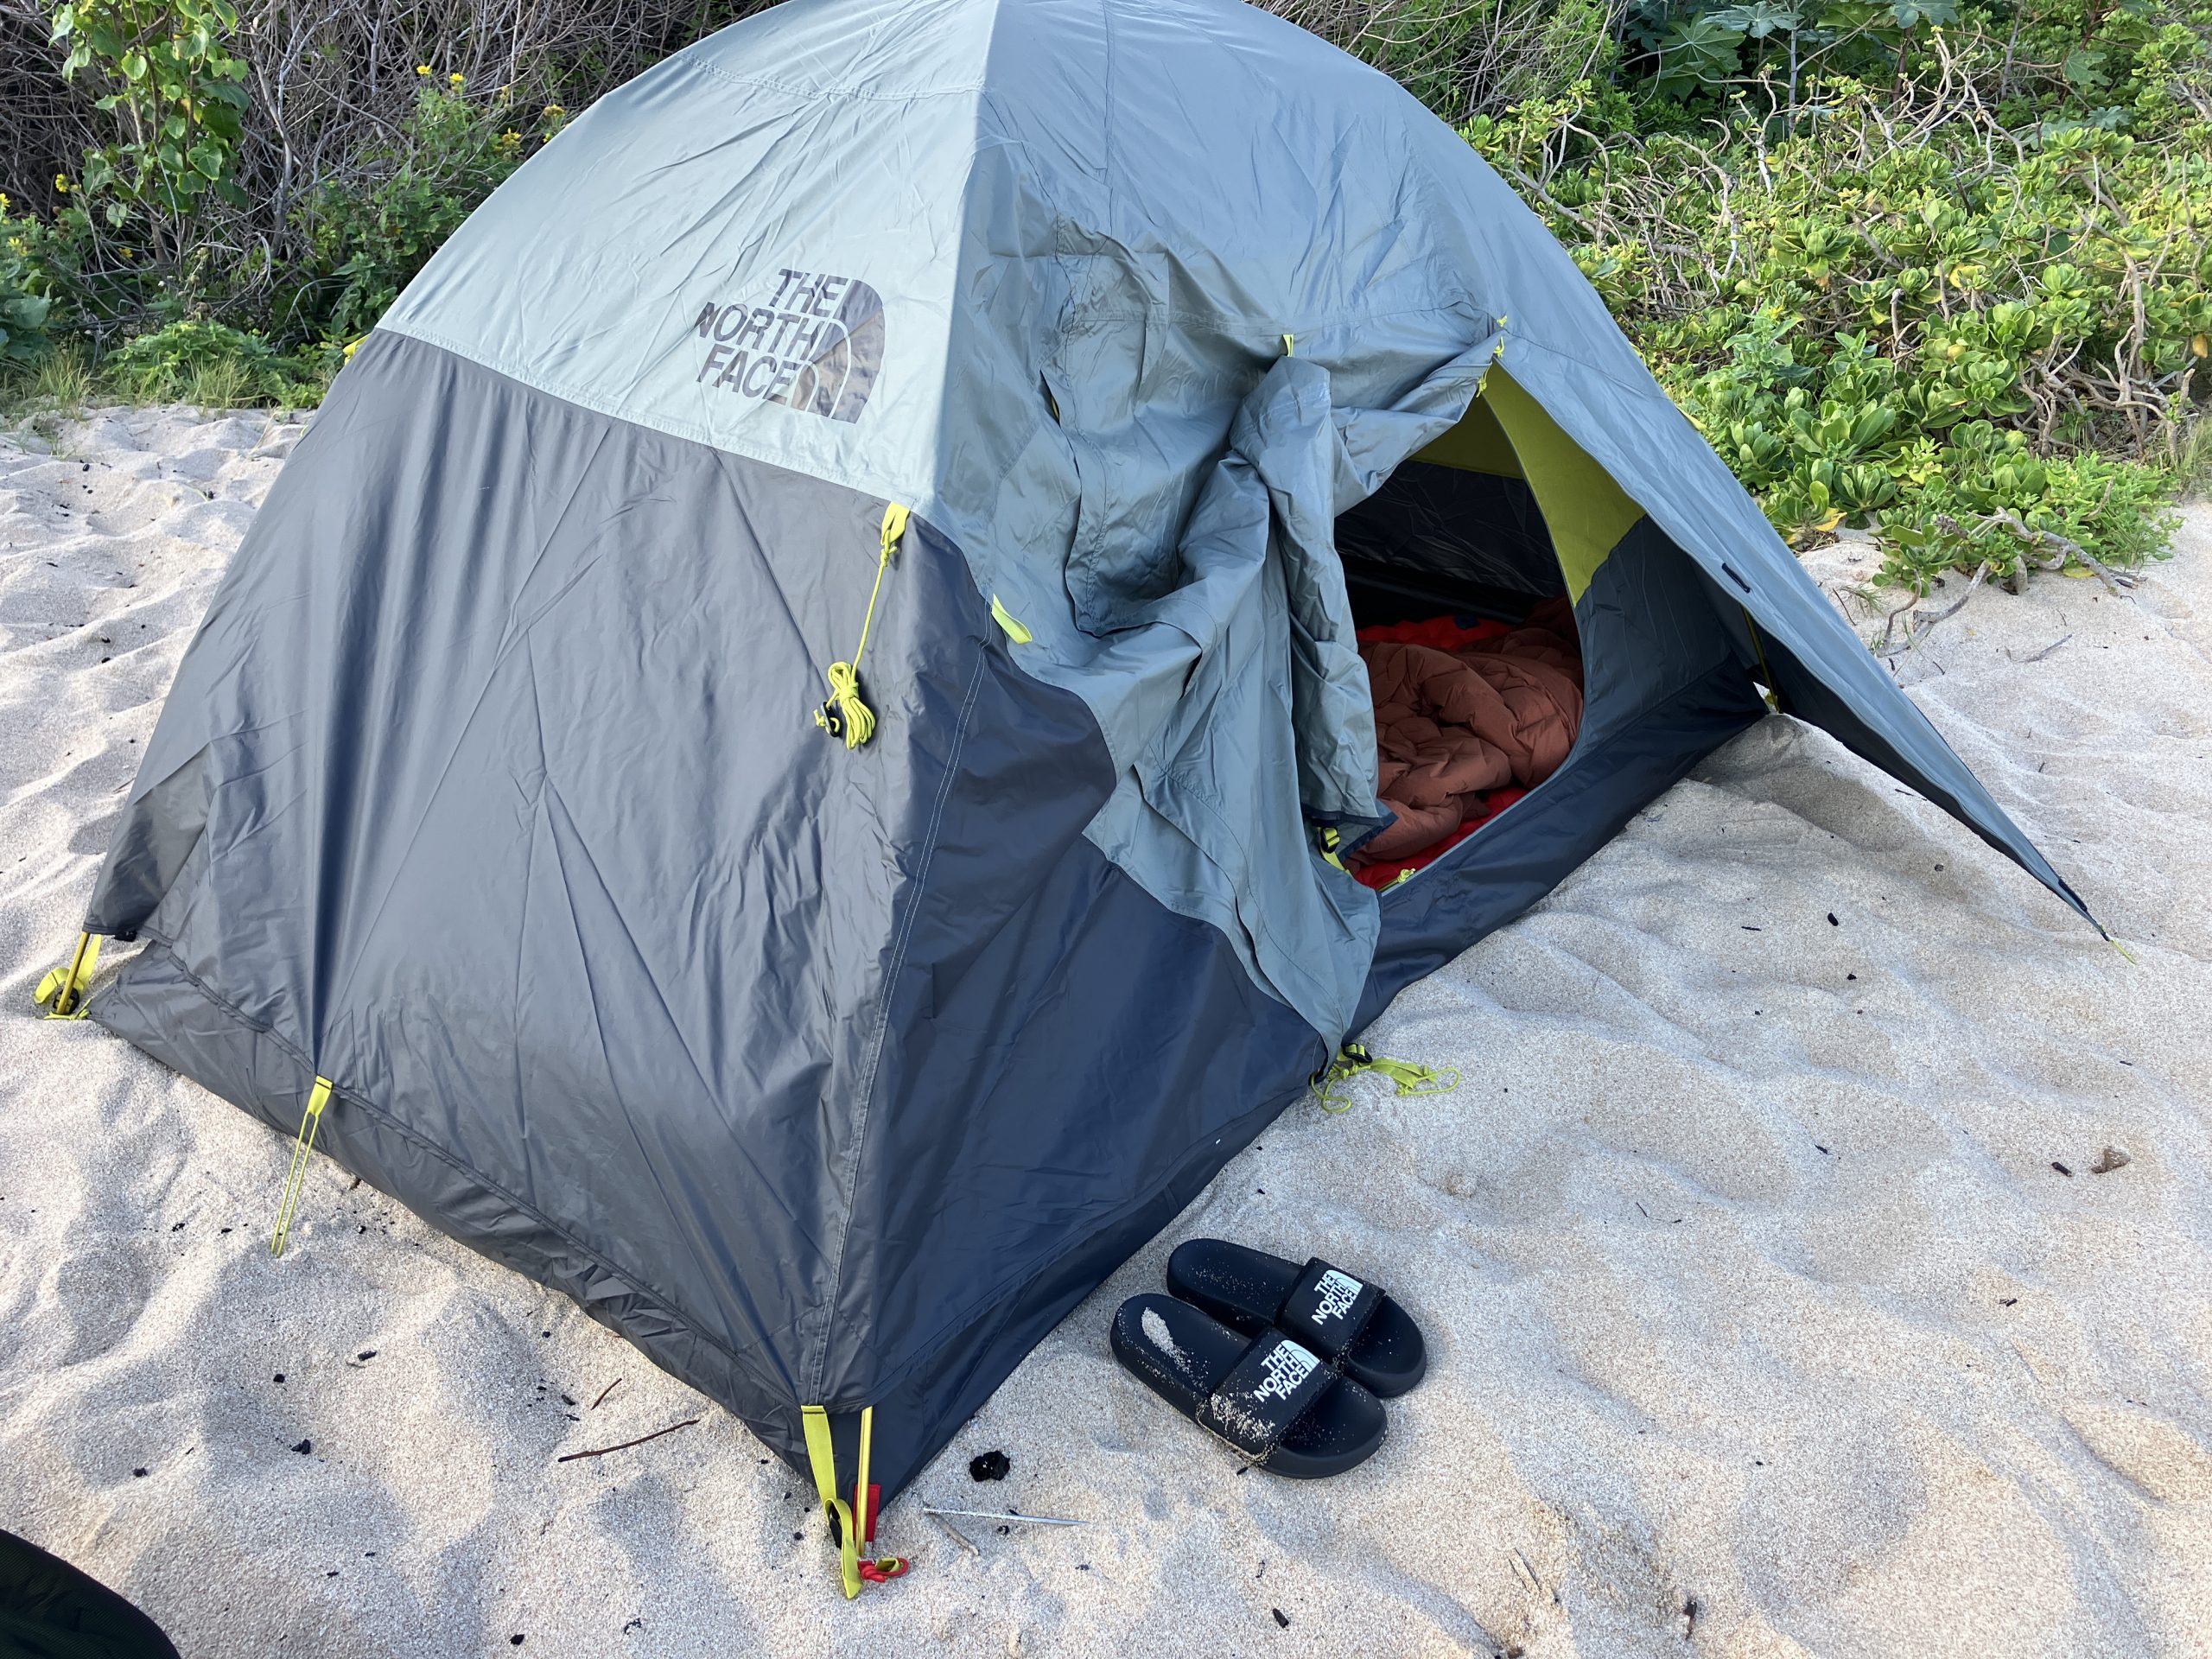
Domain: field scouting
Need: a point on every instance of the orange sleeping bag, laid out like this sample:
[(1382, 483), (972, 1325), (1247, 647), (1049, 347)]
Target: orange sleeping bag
[(1463, 715)]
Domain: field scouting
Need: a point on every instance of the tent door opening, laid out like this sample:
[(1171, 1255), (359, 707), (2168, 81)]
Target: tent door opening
[(1458, 552), (1456, 527)]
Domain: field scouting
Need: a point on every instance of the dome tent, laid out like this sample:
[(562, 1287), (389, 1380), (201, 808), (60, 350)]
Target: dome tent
[(1054, 349)]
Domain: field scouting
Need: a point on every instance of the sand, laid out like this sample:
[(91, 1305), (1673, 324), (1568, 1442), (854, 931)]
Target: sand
[(1764, 1318)]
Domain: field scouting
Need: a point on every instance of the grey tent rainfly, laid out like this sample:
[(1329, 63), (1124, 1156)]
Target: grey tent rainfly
[(1100, 364)]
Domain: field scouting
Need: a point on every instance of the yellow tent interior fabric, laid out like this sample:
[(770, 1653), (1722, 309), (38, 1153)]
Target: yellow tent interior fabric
[(1505, 432), (1477, 444)]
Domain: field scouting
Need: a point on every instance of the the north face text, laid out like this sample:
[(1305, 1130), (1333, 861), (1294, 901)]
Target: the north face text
[(1335, 1295), (816, 344), (1287, 1366)]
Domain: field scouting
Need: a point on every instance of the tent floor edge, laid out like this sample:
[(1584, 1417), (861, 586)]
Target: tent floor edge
[(157, 1005), (1492, 878)]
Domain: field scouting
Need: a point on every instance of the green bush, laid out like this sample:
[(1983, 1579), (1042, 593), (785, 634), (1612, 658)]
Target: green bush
[(177, 94), (1464, 60), (24, 305), (213, 365), (2110, 63), (368, 241), (1893, 310)]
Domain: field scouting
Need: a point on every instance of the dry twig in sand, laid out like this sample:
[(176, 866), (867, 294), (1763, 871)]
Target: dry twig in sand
[(2054, 550), (954, 1533), (1918, 629), (602, 1451)]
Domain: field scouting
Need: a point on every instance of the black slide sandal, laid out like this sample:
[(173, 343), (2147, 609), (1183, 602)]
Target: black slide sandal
[(1273, 1402), (1352, 1325)]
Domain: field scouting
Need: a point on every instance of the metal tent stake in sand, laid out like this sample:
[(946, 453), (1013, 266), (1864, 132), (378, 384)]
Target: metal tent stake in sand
[(1024, 1520)]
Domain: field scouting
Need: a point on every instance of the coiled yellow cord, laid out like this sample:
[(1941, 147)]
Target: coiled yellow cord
[(846, 715), (1353, 1058)]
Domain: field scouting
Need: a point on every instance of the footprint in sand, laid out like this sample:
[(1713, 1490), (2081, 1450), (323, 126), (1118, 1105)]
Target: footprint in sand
[(98, 1294)]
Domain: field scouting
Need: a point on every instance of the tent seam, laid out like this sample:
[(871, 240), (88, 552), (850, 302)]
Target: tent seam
[(909, 491), (1106, 111), (673, 427), (867, 1089), (1645, 391), (1007, 1290), (1270, 337)]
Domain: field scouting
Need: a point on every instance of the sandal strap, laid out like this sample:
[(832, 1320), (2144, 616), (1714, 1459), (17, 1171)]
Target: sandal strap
[(1275, 1383), (1327, 1309)]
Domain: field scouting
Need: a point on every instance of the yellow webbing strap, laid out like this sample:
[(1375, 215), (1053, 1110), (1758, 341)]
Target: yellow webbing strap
[(860, 1479), (845, 714), (318, 1098), (1012, 624), (1353, 1058), (848, 1523), (61, 993), (1326, 840), (822, 1458)]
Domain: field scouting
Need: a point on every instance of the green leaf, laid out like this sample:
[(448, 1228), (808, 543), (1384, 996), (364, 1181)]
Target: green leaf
[(2084, 69), (1760, 19), (1699, 53)]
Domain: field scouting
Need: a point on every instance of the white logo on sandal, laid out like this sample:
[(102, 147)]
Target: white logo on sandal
[(1338, 1292), (1287, 1366)]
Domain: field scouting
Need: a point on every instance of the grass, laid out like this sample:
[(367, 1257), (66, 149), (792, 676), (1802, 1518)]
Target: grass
[(205, 365), (2193, 459)]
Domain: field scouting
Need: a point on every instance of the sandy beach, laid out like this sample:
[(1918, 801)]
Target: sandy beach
[(1816, 1255)]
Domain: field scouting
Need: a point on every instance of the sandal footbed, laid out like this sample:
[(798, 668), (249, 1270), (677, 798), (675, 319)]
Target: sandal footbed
[(1182, 1353)]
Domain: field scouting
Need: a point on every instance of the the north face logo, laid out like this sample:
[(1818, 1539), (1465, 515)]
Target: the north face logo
[(1334, 1296), (1287, 1365), (816, 344)]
